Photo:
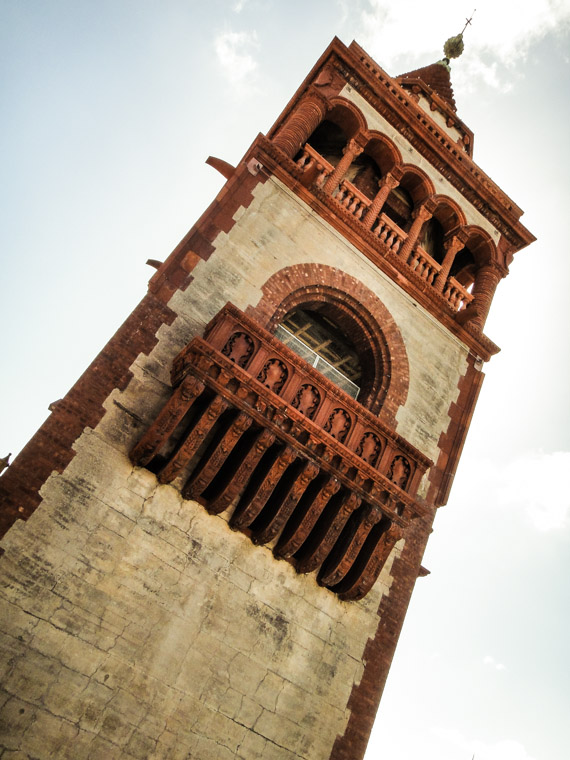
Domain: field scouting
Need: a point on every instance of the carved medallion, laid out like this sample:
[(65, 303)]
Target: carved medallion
[(399, 472), (239, 348), (369, 448), (338, 424), (307, 400), (273, 375)]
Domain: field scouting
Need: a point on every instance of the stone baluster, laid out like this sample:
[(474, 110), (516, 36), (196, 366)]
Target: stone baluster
[(389, 182), (486, 281), (451, 246), (350, 151), (301, 122), (420, 217)]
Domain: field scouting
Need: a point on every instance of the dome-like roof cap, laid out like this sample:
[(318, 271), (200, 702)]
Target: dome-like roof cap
[(437, 77)]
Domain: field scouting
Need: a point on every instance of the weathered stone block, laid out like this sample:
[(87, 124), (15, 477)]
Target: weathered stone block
[(15, 718)]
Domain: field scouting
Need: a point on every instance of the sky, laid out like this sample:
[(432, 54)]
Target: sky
[(109, 110)]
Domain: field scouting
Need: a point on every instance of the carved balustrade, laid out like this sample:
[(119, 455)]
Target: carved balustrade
[(423, 265), (305, 467), (456, 294), (317, 170), (355, 202), (389, 233)]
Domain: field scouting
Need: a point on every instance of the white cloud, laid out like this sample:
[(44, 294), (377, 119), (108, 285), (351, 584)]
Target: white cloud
[(504, 750), (507, 749), (536, 482), (531, 487), (488, 660), (239, 5), (234, 53), (500, 34)]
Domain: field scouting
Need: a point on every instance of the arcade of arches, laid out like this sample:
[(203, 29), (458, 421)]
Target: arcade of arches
[(363, 171)]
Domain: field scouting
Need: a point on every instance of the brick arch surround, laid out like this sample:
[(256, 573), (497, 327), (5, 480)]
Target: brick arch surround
[(359, 312)]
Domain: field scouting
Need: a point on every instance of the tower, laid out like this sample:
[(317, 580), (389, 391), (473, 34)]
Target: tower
[(225, 517)]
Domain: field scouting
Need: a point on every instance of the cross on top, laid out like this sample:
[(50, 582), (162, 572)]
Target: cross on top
[(468, 21)]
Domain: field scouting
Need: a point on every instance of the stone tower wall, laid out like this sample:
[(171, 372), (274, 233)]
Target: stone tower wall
[(137, 625), (134, 623)]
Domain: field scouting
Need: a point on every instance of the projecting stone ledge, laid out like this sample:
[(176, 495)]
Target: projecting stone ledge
[(307, 469)]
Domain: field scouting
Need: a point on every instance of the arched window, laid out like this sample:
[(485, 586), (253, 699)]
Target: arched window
[(359, 319), (364, 175), (432, 239), (464, 267), (479, 250), (328, 140), (413, 190), (379, 157), (321, 342), (399, 206)]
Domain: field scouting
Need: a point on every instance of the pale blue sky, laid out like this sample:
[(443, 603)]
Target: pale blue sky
[(109, 110)]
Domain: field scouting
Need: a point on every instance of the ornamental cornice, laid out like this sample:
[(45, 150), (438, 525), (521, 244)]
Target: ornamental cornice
[(313, 93), (437, 103), (394, 105)]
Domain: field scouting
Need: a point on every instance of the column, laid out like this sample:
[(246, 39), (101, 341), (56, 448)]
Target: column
[(350, 151), (301, 122), (420, 216), (486, 281), (388, 182), (451, 246)]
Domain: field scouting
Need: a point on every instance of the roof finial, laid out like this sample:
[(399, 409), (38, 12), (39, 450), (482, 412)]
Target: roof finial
[(454, 45), (468, 21)]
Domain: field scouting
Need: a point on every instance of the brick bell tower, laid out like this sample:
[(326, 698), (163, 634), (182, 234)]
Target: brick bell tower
[(212, 542)]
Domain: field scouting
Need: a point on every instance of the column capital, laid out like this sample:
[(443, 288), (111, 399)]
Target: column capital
[(350, 151), (423, 212), (463, 234), (397, 172), (420, 215), (453, 244), (390, 180), (353, 147), (313, 93), (305, 116), (385, 185), (494, 269)]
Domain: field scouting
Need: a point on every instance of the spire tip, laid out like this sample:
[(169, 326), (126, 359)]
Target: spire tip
[(454, 46)]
